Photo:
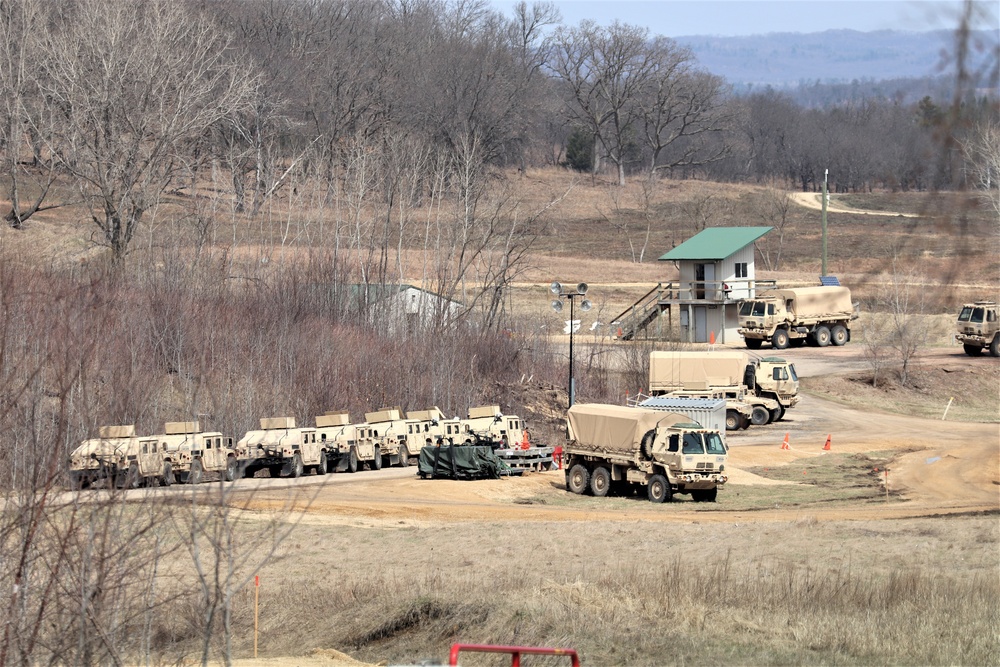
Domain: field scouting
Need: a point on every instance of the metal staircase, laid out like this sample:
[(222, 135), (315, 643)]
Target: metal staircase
[(639, 315)]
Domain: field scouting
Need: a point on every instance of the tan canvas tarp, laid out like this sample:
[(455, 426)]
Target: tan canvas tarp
[(615, 428), (117, 431), (817, 301), (696, 370), (426, 415), (277, 422), (484, 411), (333, 419), (177, 428), (383, 415)]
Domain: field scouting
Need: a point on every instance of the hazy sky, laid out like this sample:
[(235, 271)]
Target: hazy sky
[(676, 18)]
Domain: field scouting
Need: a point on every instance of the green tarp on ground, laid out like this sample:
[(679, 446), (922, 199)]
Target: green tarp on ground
[(460, 462)]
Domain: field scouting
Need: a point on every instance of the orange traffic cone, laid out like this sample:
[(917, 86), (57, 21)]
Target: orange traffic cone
[(784, 444), (711, 338), (826, 447)]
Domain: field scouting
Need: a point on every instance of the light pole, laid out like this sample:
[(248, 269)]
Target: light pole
[(557, 306)]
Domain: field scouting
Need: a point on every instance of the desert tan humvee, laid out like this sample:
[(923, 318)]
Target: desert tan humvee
[(121, 457), (979, 328), (347, 445), (192, 452), (280, 448)]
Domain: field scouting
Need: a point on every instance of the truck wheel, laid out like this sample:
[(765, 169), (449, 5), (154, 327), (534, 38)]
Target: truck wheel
[(777, 413), (168, 474), (779, 339), (578, 479), (194, 477), (973, 350), (646, 444), (995, 347), (705, 495), (600, 481), (759, 415), (404, 456), (838, 335), (376, 463), (754, 343), (232, 469), (297, 467), (822, 336), (733, 420), (658, 489), (321, 468), (352, 460)]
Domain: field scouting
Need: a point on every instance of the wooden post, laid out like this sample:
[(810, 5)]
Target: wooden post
[(256, 599)]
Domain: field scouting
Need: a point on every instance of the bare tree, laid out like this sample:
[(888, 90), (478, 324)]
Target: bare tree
[(772, 208), (982, 152), (134, 86)]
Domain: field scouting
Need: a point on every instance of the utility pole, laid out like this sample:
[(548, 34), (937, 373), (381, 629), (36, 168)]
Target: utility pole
[(826, 197)]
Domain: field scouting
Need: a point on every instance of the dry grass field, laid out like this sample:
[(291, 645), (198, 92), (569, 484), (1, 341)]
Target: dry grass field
[(807, 558)]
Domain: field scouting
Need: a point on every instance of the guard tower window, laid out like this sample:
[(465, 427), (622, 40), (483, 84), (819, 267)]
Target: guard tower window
[(741, 269)]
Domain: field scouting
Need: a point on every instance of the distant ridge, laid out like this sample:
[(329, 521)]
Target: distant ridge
[(783, 60)]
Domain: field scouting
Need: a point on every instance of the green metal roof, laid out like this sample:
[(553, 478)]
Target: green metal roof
[(716, 243)]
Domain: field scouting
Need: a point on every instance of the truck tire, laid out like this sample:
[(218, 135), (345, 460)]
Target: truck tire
[(352, 460), (646, 444), (376, 463), (168, 474), (838, 335), (578, 479), (759, 416), (822, 336), (404, 456), (321, 467), (194, 476), (754, 343), (733, 420), (297, 468), (779, 339), (972, 350), (232, 469), (777, 413), (132, 478), (658, 489), (600, 482), (705, 495), (995, 346)]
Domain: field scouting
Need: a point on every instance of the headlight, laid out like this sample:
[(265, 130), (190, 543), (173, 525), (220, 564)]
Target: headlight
[(722, 468)]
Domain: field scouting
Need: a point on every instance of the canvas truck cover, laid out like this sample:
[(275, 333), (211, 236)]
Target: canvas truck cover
[(333, 419), (484, 411), (816, 301), (670, 370), (179, 428), (117, 431), (615, 428), (426, 415), (269, 423), (383, 415), (460, 462)]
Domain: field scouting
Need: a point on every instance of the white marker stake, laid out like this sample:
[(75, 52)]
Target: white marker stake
[(947, 407)]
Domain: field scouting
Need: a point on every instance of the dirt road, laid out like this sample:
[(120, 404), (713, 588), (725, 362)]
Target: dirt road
[(814, 200)]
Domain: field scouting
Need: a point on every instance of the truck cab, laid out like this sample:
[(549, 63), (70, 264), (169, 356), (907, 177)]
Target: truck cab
[(978, 328), (776, 378)]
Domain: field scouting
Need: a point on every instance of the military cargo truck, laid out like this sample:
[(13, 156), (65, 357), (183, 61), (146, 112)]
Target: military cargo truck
[(280, 448), (768, 386), (97, 459), (616, 448), (192, 452), (423, 428), (388, 428), (347, 445), (979, 328), (817, 315)]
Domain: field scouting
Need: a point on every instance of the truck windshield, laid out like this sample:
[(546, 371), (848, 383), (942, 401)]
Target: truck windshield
[(713, 444), (977, 315), (692, 444), (962, 317), (747, 307), (791, 371)]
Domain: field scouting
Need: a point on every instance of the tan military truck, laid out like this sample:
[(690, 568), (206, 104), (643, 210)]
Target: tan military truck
[(615, 448), (495, 427), (423, 428), (817, 315), (767, 386), (280, 448), (97, 459), (347, 445), (979, 328), (192, 452), (388, 428)]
